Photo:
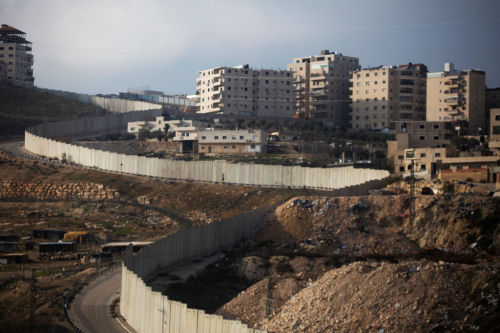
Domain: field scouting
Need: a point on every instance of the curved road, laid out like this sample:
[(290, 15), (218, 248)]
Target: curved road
[(90, 309)]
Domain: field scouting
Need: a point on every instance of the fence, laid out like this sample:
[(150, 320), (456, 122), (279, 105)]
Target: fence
[(150, 311)]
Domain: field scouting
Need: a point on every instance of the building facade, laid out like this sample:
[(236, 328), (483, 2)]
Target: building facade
[(494, 139), (457, 96), (15, 53), (215, 142), (321, 86), (431, 141), (184, 129), (245, 91), (388, 93)]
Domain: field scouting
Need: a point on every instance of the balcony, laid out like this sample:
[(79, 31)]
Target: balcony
[(318, 92), (452, 83)]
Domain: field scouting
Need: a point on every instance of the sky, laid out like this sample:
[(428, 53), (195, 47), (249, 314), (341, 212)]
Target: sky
[(108, 46)]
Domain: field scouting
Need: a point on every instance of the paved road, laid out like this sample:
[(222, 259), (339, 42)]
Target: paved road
[(91, 308)]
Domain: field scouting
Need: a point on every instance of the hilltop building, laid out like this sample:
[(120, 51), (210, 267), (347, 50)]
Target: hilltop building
[(242, 90), (388, 93), (457, 96), (15, 53), (321, 86)]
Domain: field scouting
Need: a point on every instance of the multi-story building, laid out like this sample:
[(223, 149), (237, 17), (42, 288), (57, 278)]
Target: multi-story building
[(388, 93), (15, 52), (321, 86), (457, 96), (245, 91), (213, 141), (430, 140), (492, 101), (494, 139)]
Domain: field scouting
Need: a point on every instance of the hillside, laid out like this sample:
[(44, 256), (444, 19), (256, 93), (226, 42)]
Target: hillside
[(21, 108)]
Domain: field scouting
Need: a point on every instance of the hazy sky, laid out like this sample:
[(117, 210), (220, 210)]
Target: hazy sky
[(105, 46)]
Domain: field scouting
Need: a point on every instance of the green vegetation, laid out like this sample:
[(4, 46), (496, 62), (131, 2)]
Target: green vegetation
[(22, 107)]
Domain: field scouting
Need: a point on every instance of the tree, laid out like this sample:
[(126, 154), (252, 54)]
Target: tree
[(166, 129), (143, 134)]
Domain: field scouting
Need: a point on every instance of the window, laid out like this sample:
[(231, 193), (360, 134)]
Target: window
[(422, 137), (422, 155), (224, 137), (401, 168), (216, 137), (421, 126), (203, 137), (233, 147), (436, 126), (252, 146), (241, 137), (437, 154), (436, 137)]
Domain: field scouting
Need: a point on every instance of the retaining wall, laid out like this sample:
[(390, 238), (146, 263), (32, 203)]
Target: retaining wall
[(109, 104), (150, 311)]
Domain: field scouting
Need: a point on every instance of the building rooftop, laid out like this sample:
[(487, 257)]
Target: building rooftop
[(7, 29)]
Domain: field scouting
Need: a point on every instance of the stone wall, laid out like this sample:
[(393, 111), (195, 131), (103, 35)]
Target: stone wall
[(48, 191)]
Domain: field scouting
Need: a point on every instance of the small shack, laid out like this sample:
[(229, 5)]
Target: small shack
[(13, 258), (8, 247), (9, 238), (52, 247), (82, 237), (48, 234)]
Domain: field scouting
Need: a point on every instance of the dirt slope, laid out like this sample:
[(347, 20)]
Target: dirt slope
[(414, 296)]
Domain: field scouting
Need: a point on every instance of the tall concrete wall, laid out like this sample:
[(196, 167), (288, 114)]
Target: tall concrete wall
[(150, 311), (110, 104), (206, 171), (38, 140)]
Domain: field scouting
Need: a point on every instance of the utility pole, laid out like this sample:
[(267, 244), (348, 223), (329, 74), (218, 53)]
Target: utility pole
[(412, 192)]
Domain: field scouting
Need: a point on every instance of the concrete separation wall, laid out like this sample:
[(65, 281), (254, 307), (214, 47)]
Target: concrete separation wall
[(38, 140), (150, 311), (110, 104)]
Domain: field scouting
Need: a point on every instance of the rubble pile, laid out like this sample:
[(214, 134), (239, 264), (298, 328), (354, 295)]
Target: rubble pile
[(457, 223), (48, 191), (342, 225), (412, 296)]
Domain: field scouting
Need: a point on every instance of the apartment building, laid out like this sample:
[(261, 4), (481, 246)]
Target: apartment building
[(494, 139), (457, 96), (426, 161), (492, 101), (321, 86), (242, 90), (15, 53), (250, 141), (431, 141), (385, 94)]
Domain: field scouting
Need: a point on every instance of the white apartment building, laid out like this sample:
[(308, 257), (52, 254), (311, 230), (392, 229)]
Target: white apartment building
[(321, 85), (15, 53), (245, 91)]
